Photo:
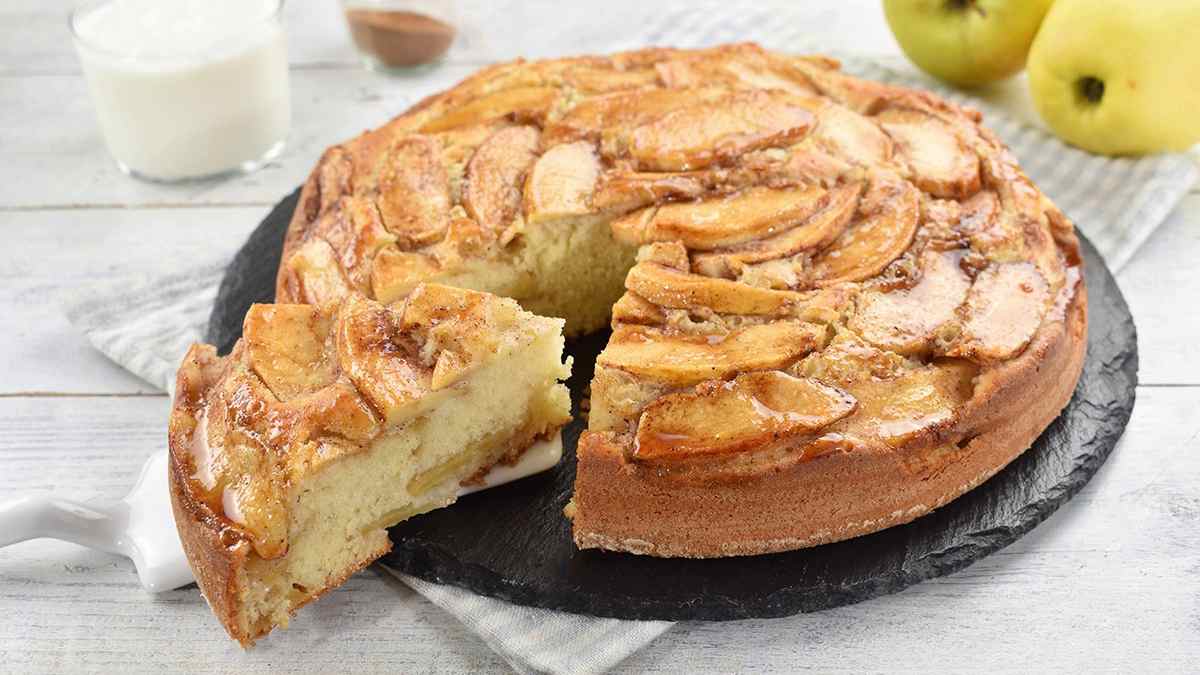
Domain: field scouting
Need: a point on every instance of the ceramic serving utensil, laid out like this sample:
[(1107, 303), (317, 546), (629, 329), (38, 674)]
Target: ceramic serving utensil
[(141, 526)]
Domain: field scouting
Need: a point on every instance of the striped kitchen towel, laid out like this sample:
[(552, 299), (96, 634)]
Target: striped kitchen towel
[(146, 322)]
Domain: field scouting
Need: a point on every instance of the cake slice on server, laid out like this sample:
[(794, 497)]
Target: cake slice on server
[(291, 456)]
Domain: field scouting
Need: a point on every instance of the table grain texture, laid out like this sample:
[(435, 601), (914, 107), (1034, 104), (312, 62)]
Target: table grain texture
[(1110, 582)]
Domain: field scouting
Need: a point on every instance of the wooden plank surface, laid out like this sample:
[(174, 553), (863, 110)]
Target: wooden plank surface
[(1109, 583)]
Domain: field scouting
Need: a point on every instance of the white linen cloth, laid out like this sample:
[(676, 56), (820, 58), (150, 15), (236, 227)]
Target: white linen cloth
[(146, 322)]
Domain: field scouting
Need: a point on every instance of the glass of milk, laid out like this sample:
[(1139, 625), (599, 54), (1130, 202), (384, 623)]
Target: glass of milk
[(186, 89)]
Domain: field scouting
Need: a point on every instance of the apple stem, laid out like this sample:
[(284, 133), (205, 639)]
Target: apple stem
[(1090, 89), (963, 5)]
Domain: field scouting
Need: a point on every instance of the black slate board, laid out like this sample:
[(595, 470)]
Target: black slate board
[(513, 542)]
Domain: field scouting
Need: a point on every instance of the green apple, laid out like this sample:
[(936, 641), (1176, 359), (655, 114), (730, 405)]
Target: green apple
[(966, 42), (1119, 77)]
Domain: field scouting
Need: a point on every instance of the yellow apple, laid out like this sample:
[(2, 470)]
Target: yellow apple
[(1119, 77), (966, 42)]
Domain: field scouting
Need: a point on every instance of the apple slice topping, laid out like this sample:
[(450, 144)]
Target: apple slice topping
[(527, 103), (455, 329), (848, 135), (333, 177), (286, 348), (939, 160), (837, 207), (919, 402), (617, 113), (606, 79), (864, 249), (672, 288), (1004, 309), (687, 359), (702, 135), (355, 233), (313, 274), (753, 411), (904, 321), (491, 195), (395, 273), (634, 309), (622, 191), (561, 182), (750, 214), (414, 192), (370, 351)]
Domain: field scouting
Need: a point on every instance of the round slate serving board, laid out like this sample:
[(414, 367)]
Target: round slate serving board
[(513, 542)]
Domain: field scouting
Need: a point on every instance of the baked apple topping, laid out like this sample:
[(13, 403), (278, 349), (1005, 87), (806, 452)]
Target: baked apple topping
[(1003, 309), (892, 210), (492, 195), (561, 182), (687, 359), (750, 412), (748, 215)]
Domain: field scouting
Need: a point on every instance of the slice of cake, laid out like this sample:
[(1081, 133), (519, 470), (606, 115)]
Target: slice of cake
[(291, 456)]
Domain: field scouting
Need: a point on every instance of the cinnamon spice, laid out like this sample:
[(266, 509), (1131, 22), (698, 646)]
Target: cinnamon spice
[(399, 39)]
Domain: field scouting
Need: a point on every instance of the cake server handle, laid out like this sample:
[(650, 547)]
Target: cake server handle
[(140, 526), (96, 525)]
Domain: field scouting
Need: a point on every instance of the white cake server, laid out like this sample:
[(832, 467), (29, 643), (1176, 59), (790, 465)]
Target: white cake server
[(142, 527)]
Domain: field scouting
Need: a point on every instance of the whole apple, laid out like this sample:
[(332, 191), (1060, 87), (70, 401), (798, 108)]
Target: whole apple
[(966, 42), (1119, 77)]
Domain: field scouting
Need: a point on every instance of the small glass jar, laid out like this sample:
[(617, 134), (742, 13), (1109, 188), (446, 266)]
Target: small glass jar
[(186, 89), (401, 35)]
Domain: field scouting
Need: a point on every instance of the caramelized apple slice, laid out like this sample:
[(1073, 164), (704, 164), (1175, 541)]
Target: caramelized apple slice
[(492, 194), (750, 214), (336, 410), (837, 208), (904, 321), (941, 163), (1004, 308), (602, 80), (754, 410), (314, 276), (414, 192), (523, 102), (633, 308), (285, 346), (919, 402), (851, 136), (395, 273), (456, 329), (621, 111), (863, 250), (332, 178), (671, 288), (561, 182), (699, 136), (355, 232), (370, 352), (688, 359)]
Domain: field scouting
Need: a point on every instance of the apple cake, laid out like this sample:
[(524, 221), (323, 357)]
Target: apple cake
[(849, 304), (835, 305), (291, 456)]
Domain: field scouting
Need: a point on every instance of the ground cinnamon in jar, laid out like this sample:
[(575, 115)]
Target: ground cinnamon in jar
[(399, 39)]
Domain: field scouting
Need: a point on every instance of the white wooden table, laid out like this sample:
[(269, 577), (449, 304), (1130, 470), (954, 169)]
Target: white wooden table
[(1111, 581)]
